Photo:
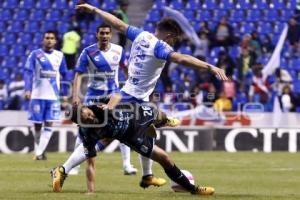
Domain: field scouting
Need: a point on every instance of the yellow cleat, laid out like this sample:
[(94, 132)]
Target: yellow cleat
[(204, 191), (152, 180), (172, 122), (58, 177)]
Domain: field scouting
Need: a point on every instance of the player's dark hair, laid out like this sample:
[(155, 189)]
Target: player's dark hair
[(169, 25), (103, 25), (51, 32)]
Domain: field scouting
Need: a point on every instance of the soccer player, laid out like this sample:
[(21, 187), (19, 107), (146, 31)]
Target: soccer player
[(42, 87), (101, 62), (132, 125)]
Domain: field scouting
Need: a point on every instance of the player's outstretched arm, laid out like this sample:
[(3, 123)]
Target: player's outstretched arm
[(108, 18), (191, 61)]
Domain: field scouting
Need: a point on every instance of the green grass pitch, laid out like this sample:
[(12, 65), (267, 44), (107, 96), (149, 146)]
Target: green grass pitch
[(245, 176)]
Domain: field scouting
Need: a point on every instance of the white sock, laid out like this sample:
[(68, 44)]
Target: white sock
[(44, 140), (146, 164), (36, 136), (125, 152), (75, 159), (77, 142)]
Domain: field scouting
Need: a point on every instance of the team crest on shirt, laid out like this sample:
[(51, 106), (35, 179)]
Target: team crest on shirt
[(97, 58), (115, 58), (145, 43)]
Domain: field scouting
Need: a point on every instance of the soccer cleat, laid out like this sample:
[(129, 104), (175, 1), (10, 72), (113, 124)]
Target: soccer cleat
[(58, 177), (152, 180), (204, 190), (40, 157), (172, 122), (130, 170)]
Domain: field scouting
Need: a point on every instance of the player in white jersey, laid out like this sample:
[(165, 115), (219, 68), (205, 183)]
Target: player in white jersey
[(148, 56), (42, 87), (101, 62)]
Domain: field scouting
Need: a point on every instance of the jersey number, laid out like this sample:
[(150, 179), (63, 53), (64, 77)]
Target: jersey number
[(147, 111)]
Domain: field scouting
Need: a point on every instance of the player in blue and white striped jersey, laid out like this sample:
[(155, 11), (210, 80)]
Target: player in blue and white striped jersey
[(42, 86)]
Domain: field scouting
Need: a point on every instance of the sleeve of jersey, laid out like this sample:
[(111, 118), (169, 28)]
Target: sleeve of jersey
[(64, 71), (28, 72), (162, 50), (132, 32), (82, 62)]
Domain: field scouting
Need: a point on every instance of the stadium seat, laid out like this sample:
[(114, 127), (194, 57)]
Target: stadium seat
[(53, 15), (16, 26), (254, 15), (6, 15), (294, 63), (11, 4), (193, 5), (3, 49), (45, 4), (205, 15), (209, 4), (109, 5), (25, 38), (189, 14), (237, 15), (17, 50), (27, 4), (9, 39), (37, 15), (159, 4), (270, 15), (278, 4), (244, 4), (153, 15), (60, 4), (38, 37), (176, 4), (227, 4), (149, 26), (262, 4), (278, 28), (64, 27), (181, 106), (21, 15), (296, 87), (265, 27), (10, 62), (3, 26), (48, 25), (218, 14), (284, 15), (32, 27)]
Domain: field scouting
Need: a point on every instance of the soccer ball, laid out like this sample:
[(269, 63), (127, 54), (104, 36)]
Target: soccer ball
[(177, 188)]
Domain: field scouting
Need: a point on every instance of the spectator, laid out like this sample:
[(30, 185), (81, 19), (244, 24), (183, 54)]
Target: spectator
[(297, 13), (223, 103), (223, 34), (3, 94), (283, 78), (287, 99), (255, 44), (71, 43), (245, 63), (203, 50), (16, 90), (83, 18), (293, 36), (267, 45), (225, 62), (259, 90), (121, 13)]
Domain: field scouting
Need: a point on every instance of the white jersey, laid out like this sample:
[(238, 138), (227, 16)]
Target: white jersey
[(147, 59), (102, 68), (43, 71)]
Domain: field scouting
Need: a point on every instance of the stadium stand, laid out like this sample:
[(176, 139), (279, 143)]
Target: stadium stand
[(23, 22)]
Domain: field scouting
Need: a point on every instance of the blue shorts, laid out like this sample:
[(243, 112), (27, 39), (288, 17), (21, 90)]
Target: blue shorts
[(41, 110), (128, 98)]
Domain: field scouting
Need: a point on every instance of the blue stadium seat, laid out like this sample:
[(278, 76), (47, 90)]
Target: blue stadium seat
[(37, 15), (278, 4), (109, 5), (16, 26), (64, 27), (48, 25), (45, 4), (265, 27), (10, 62), (262, 4), (6, 15), (193, 5), (270, 15), (154, 15), (32, 27), (60, 4), (189, 14), (17, 50), (158, 4), (185, 50), (96, 3), (27, 4), (294, 63), (237, 15), (254, 15), (296, 85), (9, 39), (3, 49), (149, 26), (182, 106), (176, 4), (209, 4), (3, 26), (11, 4), (284, 15), (218, 14), (54, 15), (25, 38), (291, 4), (244, 4), (21, 15), (278, 28), (226, 4), (205, 15), (37, 39)]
